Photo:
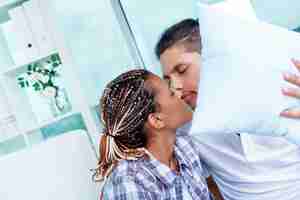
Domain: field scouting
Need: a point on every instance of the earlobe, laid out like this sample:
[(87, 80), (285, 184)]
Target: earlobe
[(155, 120)]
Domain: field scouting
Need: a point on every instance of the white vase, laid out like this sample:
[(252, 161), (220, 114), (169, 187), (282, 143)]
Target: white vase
[(61, 104)]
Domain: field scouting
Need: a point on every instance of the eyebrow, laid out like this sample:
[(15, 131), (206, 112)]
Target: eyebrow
[(166, 77)]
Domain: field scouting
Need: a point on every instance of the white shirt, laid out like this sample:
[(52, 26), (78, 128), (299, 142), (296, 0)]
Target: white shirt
[(249, 167)]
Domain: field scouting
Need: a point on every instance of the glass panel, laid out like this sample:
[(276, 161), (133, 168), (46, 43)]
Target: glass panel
[(148, 19), (96, 42), (284, 13), (68, 124), (11, 145)]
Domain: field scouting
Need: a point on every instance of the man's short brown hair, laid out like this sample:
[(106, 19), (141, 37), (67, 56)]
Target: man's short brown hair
[(185, 32)]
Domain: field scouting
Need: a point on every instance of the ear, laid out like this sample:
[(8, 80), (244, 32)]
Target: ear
[(156, 121)]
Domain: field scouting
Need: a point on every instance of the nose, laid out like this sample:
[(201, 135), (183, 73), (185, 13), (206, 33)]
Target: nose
[(176, 86)]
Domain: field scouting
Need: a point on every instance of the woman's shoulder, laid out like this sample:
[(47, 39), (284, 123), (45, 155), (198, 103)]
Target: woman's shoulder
[(128, 177), (135, 170), (187, 141), (125, 169), (189, 147)]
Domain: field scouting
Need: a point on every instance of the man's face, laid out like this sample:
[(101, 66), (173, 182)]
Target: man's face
[(181, 69)]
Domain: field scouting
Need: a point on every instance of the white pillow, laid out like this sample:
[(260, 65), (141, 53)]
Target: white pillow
[(241, 76)]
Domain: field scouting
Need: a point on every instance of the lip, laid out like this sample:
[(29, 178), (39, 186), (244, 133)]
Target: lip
[(188, 96)]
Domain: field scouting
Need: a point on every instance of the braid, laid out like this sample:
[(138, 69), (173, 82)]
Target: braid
[(125, 104)]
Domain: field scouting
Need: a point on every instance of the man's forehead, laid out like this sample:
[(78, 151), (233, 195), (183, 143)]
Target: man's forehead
[(171, 58)]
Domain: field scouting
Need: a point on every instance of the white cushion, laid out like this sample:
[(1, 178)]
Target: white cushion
[(241, 76), (58, 169)]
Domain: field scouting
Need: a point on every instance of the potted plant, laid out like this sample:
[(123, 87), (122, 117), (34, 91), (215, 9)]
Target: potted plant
[(41, 76)]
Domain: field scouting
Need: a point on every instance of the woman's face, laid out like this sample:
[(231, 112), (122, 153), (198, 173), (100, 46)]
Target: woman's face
[(173, 110)]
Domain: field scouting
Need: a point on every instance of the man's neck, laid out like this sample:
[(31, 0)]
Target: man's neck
[(162, 147)]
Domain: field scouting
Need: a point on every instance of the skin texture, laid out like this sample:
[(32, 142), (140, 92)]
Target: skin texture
[(172, 110), (181, 70), (293, 92)]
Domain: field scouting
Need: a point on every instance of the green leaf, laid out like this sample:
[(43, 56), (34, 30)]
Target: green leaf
[(27, 83), (45, 72), (34, 68), (54, 58), (20, 78), (53, 73), (55, 65), (58, 59), (36, 86), (29, 67), (22, 84)]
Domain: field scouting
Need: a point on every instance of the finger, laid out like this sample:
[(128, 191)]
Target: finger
[(291, 113), (291, 92), (296, 63), (291, 78)]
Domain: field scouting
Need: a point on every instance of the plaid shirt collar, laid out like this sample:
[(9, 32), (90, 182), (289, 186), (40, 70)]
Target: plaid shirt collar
[(163, 172)]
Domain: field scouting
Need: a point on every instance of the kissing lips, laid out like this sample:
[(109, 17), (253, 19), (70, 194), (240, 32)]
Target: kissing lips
[(189, 96)]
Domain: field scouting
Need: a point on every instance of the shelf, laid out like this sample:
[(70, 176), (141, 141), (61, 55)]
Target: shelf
[(20, 67), (11, 145), (27, 132), (8, 3), (96, 116), (38, 119), (67, 124), (8, 127), (45, 123), (10, 138), (57, 126)]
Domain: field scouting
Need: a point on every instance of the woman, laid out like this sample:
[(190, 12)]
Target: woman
[(141, 156)]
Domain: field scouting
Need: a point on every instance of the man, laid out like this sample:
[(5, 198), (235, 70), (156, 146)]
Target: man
[(245, 167)]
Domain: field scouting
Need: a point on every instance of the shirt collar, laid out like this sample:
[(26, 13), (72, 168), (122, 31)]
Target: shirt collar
[(163, 172)]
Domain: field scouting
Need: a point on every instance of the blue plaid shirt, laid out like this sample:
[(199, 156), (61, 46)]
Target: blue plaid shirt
[(147, 178)]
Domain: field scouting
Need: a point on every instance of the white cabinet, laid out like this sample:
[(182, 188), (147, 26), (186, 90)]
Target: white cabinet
[(38, 83), (92, 49)]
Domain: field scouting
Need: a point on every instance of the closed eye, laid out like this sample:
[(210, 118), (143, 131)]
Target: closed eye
[(182, 69), (168, 81)]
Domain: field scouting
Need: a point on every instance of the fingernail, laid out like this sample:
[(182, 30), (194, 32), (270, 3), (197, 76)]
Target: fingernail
[(294, 60), (286, 75), (284, 112), (286, 90)]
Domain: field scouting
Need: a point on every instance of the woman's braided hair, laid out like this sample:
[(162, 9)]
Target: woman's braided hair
[(125, 105)]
